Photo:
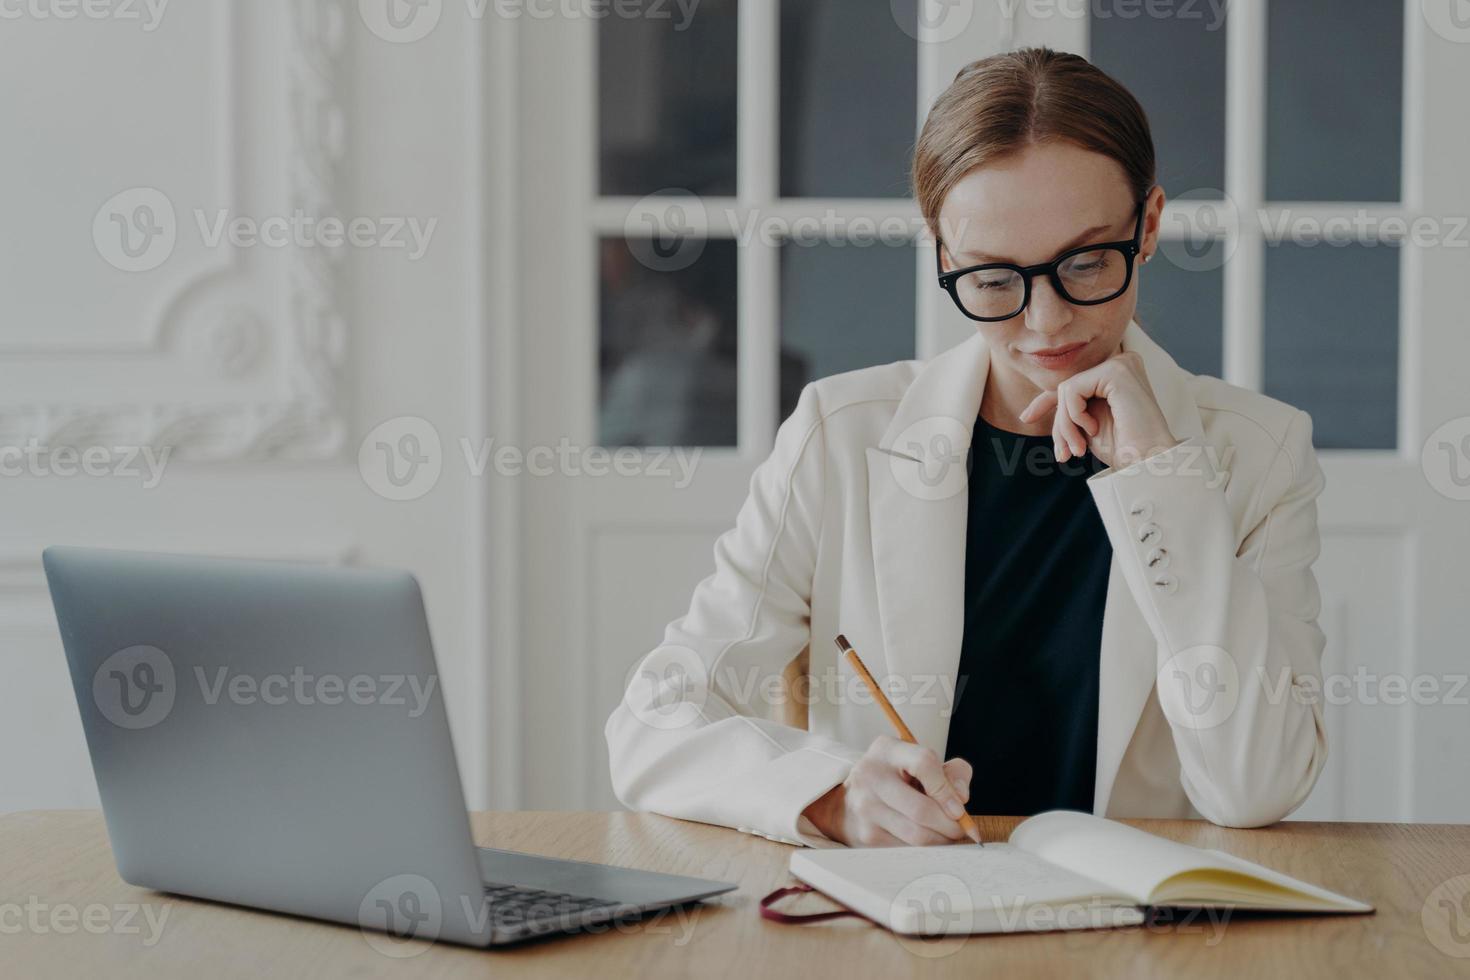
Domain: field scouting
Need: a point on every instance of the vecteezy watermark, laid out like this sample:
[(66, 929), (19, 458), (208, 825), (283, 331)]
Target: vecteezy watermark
[(146, 13), (1210, 12), (670, 688), (36, 459), (401, 916), (1199, 687), (667, 230), (1195, 234), (1450, 19), (406, 21), (932, 21), (1201, 228), (1445, 459), (1361, 227), (38, 917), (932, 458), (1445, 917), (933, 915), (137, 230), (137, 687), (403, 458), (301, 687), (1365, 687)]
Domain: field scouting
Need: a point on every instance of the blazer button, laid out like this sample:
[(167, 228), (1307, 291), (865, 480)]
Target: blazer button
[(1142, 509), (1166, 582), (1157, 559), (1149, 533)]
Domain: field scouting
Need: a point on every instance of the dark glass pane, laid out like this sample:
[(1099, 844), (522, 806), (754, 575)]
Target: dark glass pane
[(843, 307), (1334, 106), (1331, 343), (849, 96), (666, 100), (1175, 66), (667, 351), (1182, 309)]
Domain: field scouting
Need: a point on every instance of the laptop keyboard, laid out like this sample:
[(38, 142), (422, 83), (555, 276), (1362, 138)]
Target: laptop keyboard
[(516, 905)]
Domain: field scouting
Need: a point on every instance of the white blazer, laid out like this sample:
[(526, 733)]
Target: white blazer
[(854, 525)]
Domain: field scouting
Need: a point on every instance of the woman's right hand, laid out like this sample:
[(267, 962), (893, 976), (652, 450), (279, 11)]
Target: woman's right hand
[(896, 794)]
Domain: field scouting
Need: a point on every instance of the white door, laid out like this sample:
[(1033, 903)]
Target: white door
[(715, 211)]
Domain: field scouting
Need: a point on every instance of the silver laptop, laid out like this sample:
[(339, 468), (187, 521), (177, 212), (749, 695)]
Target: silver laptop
[(274, 735)]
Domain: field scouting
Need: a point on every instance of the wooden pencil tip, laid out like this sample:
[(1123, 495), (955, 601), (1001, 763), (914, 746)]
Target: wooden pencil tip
[(842, 643)]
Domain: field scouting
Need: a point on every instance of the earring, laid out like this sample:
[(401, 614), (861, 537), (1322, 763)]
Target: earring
[(1145, 259)]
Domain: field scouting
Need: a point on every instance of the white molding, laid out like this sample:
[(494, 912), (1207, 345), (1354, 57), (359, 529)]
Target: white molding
[(1245, 181), (308, 421), (497, 546), (758, 272)]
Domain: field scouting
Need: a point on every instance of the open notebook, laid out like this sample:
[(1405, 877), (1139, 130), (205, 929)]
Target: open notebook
[(1060, 870)]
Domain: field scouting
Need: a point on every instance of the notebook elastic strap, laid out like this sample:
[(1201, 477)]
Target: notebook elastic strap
[(797, 918)]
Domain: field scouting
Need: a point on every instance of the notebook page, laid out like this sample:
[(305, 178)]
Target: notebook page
[(956, 888), (1124, 858)]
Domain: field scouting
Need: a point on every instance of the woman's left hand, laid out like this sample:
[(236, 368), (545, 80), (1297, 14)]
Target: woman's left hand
[(1110, 409)]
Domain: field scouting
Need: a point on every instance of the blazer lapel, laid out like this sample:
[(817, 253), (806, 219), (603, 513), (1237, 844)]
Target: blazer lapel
[(918, 499)]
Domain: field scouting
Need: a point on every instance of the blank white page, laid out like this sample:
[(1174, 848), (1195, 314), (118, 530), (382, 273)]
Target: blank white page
[(1123, 858), (955, 888)]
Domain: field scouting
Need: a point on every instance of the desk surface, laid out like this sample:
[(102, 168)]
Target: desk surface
[(63, 909)]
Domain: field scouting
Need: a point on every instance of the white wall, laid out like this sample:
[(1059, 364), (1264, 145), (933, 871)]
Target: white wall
[(239, 105)]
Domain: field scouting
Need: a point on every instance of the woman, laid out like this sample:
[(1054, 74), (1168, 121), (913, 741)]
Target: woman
[(1106, 608)]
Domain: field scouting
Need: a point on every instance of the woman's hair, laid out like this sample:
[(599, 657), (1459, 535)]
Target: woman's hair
[(1001, 104)]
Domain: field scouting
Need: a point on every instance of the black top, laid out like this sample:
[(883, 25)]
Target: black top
[(1036, 578)]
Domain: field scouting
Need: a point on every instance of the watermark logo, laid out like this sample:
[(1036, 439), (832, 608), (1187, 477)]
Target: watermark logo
[(668, 689), (401, 916), (1445, 917), (401, 21), (401, 459), (1450, 19), (930, 458), (1197, 239), (664, 231), (135, 688), (1445, 459), (136, 230), (932, 915), (1199, 687), (933, 21)]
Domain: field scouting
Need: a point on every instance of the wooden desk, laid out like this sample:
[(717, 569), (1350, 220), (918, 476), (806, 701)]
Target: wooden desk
[(59, 861)]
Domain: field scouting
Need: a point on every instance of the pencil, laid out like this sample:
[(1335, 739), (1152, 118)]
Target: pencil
[(966, 821)]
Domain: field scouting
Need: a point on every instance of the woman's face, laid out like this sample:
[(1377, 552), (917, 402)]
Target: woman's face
[(1026, 209)]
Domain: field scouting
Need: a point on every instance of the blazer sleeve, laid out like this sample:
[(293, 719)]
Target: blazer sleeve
[(1238, 646), (688, 738)]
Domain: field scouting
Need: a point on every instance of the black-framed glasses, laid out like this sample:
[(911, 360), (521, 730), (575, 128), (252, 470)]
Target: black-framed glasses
[(1086, 275)]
